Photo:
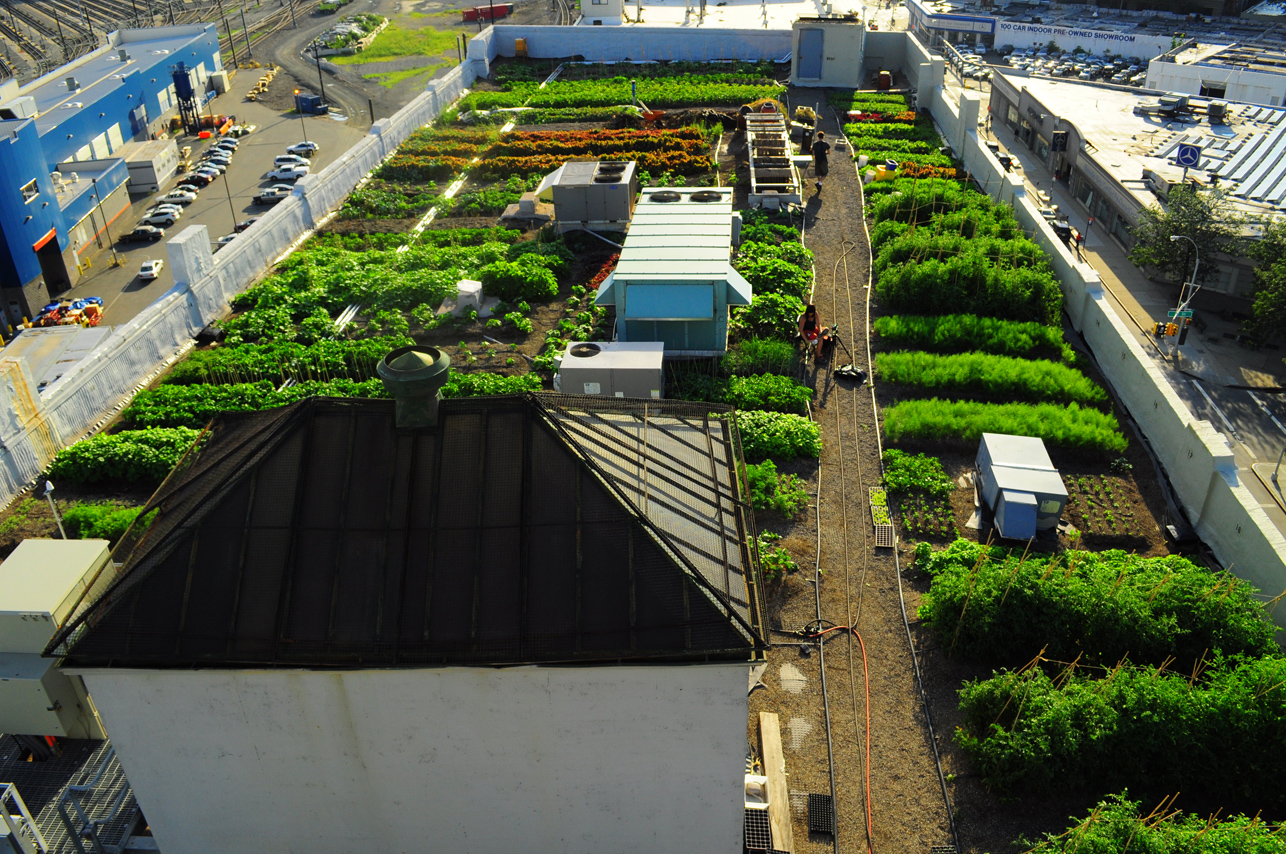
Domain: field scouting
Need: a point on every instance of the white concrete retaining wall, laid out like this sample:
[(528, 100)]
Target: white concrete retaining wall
[(613, 44), (636, 758), (1196, 457)]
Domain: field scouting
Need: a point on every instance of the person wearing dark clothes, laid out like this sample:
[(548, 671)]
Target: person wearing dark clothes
[(820, 149), (810, 329)]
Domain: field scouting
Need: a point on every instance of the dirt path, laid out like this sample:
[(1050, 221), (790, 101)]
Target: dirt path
[(859, 587)]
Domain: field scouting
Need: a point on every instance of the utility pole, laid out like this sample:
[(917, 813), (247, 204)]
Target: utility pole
[(61, 37), (116, 261), (245, 31), (231, 207), (231, 41), (320, 81), (88, 23), (294, 25)]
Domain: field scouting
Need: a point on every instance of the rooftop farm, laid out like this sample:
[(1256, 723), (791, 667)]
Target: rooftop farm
[(319, 323), (1089, 677)]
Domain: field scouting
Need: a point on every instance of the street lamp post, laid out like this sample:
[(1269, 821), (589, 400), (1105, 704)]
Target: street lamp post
[(301, 115), (1277, 468), (116, 261), (1188, 289)]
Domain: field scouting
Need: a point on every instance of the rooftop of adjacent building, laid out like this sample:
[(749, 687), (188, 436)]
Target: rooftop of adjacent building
[(1245, 157), (154, 51), (1251, 55)]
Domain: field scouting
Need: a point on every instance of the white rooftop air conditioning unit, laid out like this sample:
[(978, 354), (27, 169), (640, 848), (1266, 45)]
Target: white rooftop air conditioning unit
[(595, 195), (613, 369), (41, 585)]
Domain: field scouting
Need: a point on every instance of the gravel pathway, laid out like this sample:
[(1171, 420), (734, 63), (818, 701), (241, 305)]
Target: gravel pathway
[(859, 585)]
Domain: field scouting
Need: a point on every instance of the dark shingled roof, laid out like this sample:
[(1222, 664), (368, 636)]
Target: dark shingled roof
[(521, 529)]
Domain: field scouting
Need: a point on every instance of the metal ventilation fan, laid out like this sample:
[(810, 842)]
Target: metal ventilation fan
[(611, 168), (607, 179), (707, 196), (584, 351), (666, 196)]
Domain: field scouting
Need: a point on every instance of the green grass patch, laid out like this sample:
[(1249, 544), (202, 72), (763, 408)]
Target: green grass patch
[(389, 79), (963, 423), (398, 42)]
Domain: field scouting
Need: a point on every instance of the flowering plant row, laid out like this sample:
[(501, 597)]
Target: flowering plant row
[(655, 162), (420, 168), (656, 93)]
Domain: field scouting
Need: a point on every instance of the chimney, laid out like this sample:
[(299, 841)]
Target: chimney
[(414, 376), (72, 85)]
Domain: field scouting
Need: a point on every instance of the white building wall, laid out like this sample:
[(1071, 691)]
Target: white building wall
[(461, 760), (604, 12), (1249, 87)]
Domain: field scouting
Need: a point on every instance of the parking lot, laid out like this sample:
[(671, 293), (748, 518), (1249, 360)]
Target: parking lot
[(219, 206)]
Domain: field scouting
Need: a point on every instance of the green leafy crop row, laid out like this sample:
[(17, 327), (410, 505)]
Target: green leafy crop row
[(915, 474), (771, 392), (136, 457), (777, 435), (195, 405), (1219, 735), (960, 333), (1003, 607), (964, 422), (982, 375)]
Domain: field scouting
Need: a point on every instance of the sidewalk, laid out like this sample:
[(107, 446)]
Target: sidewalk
[(1206, 354)]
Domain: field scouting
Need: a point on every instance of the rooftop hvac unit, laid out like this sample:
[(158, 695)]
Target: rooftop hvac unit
[(19, 108), (41, 584), (72, 84), (1019, 484), (614, 369), (594, 195)]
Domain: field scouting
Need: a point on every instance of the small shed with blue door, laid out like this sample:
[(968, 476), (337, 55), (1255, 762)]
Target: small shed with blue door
[(1019, 484), (675, 282)]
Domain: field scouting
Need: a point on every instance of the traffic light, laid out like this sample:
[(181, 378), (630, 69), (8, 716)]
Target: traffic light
[(1172, 329), (1158, 329)]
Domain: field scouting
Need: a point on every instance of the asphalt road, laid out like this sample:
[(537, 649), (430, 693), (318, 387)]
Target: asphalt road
[(219, 206), (286, 50), (1256, 420)]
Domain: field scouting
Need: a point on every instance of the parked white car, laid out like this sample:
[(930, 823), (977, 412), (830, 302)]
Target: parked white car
[(289, 160), (164, 219), (288, 173), (304, 149), (150, 269), (179, 197)]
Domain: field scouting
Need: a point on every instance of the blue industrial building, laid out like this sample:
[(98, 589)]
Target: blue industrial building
[(62, 166)]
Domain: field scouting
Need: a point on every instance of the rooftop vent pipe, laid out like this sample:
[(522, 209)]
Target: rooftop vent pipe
[(414, 376), (72, 85)]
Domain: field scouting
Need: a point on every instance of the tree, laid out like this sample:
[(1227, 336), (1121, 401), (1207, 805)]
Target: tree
[(1268, 313), (1204, 216)]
